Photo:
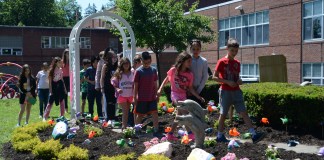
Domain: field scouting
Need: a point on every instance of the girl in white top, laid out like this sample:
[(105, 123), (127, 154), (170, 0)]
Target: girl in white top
[(123, 80), (42, 88)]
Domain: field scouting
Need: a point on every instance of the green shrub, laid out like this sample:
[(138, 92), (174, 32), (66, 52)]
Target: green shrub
[(216, 124), (28, 129), (153, 157), (276, 100), (129, 156), (210, 91), (18, 137), (48, 149), (72, 153), (41, 126), (88, 129), (26, 145)]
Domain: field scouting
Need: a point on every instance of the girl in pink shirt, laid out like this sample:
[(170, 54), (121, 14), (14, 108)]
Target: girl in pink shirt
[(181, 79), (66, 75), (56, 87), (123, 80)]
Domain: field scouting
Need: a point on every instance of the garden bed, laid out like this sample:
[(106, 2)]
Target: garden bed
[(106, 144)]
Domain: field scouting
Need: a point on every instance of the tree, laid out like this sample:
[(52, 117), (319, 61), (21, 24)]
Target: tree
[(90, 9), (71, 10), (30, 13), (159, 24)]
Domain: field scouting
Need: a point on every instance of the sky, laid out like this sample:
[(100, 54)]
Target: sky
[(84, 3)]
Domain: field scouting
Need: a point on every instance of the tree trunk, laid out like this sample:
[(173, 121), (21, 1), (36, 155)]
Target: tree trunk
[(157, 54)]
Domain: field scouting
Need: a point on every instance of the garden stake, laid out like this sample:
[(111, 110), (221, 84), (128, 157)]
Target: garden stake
[(285, 122)]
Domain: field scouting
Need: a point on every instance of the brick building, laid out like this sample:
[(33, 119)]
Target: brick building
[(34, 45), (293, 28)]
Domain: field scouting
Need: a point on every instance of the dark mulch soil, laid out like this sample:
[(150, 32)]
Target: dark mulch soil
[(106, 144)]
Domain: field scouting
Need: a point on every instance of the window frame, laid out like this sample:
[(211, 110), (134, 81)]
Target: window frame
[(311, 77), (255, 68), (242, 26), (312, 17)]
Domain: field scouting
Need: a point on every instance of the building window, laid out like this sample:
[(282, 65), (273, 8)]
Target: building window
[(63, 42), (314, 72), (249, 71), (313, 20), (249, 29), (11, 51)]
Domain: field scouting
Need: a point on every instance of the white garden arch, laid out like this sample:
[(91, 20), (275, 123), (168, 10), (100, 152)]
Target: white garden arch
[(74, 47)]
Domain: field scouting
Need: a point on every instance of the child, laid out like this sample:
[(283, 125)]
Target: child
[(43, 88), (66, 76), (27, 87), (181, 79), (107, 88), (145, 89), (199, 69), (84, 84), (136, 63), (93, 94), (123, 80), (56, 87), (227, 73)]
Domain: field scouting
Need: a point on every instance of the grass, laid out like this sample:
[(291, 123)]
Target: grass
[(9, 109)]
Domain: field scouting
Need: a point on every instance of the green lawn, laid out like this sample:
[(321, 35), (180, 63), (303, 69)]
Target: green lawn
[(9, 110)]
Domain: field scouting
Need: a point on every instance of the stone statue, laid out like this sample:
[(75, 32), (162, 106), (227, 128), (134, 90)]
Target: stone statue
[(195, 120)]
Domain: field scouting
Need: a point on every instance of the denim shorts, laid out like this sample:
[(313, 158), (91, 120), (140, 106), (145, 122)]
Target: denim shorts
[(228, 98)]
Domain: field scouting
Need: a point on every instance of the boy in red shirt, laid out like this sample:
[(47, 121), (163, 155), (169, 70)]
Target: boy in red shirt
[(227, 72)]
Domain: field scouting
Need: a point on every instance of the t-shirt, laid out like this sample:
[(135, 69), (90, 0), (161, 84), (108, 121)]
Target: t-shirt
[(42, 77), (146, 79), (180, 82), (84, 84), (125, 83), (66, 70), (229, 70), (58, 74), (91, 75)]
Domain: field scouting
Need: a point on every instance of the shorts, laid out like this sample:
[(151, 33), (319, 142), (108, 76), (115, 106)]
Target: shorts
[(228, 98), (178, 97), (84, 95), (143, 108), (122, 99)]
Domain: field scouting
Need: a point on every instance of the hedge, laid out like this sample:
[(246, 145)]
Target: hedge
[(304, 106)]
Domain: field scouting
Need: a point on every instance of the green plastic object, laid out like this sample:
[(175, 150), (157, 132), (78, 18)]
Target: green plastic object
[(120, 142), (247, 135), (31, 100), (284, 120), (149, 130)]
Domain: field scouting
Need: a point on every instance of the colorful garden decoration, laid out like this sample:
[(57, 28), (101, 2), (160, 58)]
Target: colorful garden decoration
[(170, 110), (51, 122), (229, 156), (233, 132), (104, 124), (185, 139), (265, 121), (60, 130), (208, 130), (87, 141), (121, 142), (181, 132), (91, 134), (149, 129), (292, 143), (70, 135), (167, 129), (285, 122), (138, 127), (233, 144), (78, 115), (130, 143), (321, 152), (247, 135), (96, 118), (8, 81), (211, 106)]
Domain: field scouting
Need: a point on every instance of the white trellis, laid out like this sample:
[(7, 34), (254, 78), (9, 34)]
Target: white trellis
[(74, 47)]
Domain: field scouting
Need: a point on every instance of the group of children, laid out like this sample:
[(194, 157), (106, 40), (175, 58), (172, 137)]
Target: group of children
[(104, 77)]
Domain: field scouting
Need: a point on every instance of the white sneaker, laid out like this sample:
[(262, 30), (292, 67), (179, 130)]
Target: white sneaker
[(40, 117), (44, 119), (17, 125), (26, 123)]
